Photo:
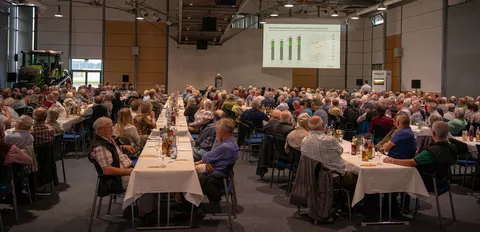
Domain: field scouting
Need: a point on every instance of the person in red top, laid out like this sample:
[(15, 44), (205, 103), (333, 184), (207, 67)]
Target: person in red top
[(380, 125), (50, 101), (298, 108)]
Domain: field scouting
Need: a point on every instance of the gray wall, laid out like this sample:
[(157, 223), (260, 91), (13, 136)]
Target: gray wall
[(463, 49)]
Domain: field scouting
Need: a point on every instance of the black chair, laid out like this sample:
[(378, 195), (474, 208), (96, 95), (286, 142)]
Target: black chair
[(76, 136), (58, 149), (106, 186), (282, 160), (465, 159), (47, 169), (295, 161), (477, 168), (230, 193), (7, 186), (438, 186)]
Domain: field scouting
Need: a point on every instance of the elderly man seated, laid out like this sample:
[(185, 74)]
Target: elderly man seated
[(425, 136), (434, 159), (156, 104), (326, 149), (52, 117), (272, 123), (207, 136), (41, 132), (113, 161), (456, 125), (450, 114), (254, 115), (20, 135), (213, 165), (285, 126), (403, 144), (295, 137)]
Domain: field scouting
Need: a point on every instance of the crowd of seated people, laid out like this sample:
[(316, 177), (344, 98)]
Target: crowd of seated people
[(300, 115)]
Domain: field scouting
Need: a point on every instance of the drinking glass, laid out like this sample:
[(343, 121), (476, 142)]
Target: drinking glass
[(162, 155), (379, 156), (464, 135), (158, 146)]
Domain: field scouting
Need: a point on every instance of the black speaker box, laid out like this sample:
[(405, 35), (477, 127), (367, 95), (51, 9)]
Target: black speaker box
[(11, 77), (359, 82), (226, 2), (209, 24), (124, 78), (416, 84), (202, 44)]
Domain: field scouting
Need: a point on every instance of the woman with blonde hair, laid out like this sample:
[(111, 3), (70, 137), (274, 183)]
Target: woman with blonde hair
[(125, 129), (145, 120)]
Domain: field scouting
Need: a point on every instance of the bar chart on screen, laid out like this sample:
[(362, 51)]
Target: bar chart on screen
[(301, 46)]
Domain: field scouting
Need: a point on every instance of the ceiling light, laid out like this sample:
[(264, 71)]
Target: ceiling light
[(189, 17), (354, 17), (335, 13), (157, 17), (188, 28), (263, 22), (138, 16), (288, 4), (59, 13), (186, 38), (219, 29), (214, 39), (381, 6), (274, 13), (226, 18), (191, 3)]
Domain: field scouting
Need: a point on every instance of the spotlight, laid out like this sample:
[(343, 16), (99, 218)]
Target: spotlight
[(381, 6), (59, 12), (288, 4), (335, 13), (274, 13), (157, 17)]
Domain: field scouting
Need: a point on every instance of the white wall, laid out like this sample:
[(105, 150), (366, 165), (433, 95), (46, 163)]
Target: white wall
[(422, 44), (239, 61)]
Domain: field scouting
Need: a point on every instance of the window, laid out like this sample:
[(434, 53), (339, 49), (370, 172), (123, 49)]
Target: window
[(86, 72), (246, 22), (377, 19), (377, 67)]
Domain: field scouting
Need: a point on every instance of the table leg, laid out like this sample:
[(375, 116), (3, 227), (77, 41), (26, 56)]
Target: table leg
[(381, 204), (168, 210), (389, 222), (159, 198), (389, 207), (133, 216), (191, 218)]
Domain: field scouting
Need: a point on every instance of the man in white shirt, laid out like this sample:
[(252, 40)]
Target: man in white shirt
[(366, 88)]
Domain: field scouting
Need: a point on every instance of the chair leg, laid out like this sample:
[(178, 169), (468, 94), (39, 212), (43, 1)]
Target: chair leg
[(93, 207), (438, 210), (473, 180), (451, 205), (271, 179), (110, 204), (233, 205), (14, 192), (76, 146), (1, 223), (99, 207), (290, 176), (464, 176), (28, 189), (234, 190), (63, 169), (349, 205), (278, 177), (228, 205)]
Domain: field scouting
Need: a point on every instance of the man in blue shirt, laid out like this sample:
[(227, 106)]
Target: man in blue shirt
[(213, 166), (254, 115), (403, 143), (207, 136)]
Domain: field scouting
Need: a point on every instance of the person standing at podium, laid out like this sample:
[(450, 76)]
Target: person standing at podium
[(218, 82)]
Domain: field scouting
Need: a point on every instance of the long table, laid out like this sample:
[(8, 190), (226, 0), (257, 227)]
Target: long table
[(382, 178), (178, 176)]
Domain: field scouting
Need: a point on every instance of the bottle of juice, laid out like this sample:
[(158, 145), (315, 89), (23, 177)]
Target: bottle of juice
[(370, 150), (364, 155), (478, 135), (354, 145)]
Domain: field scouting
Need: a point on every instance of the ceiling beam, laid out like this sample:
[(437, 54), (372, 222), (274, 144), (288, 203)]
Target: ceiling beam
[(211, 9), (180, 18)]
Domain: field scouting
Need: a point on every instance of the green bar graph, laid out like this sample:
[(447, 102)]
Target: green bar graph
[(272, 50), (281, 49), (290, 48), (299, 49)]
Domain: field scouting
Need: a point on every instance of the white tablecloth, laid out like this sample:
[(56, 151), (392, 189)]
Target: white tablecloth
[(384, 178), (178, 176), (67, 123)]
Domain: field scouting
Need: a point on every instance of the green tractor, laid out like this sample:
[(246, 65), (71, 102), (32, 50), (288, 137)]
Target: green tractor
[(42, 67)]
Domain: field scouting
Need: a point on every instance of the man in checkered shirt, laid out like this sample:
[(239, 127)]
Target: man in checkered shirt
[(326, 149), (104, 149), (41, 132)]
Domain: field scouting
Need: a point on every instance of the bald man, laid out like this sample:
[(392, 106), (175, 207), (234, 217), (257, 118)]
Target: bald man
[(272, 123), (403, 143), (41, 132)]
